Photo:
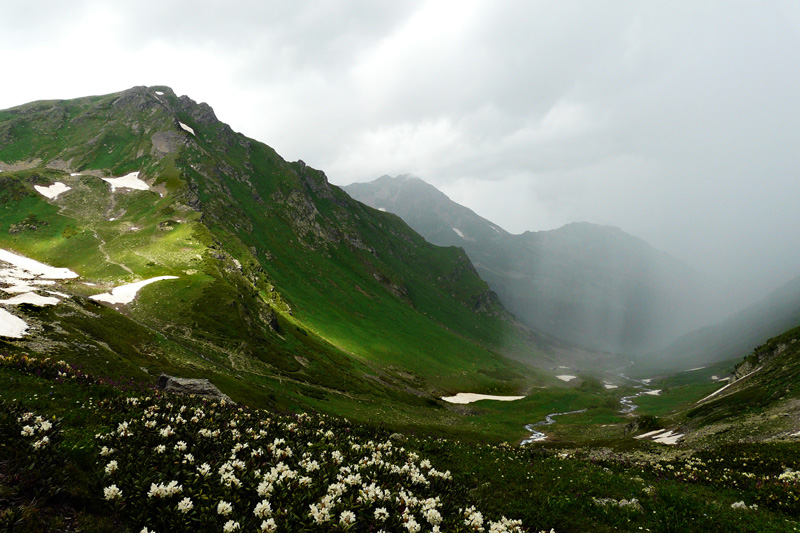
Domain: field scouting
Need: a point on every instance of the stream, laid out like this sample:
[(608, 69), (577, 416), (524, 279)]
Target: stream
[(538, 436), (626, 406)]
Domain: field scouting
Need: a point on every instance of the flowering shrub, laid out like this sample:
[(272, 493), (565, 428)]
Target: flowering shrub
[(210, 466)]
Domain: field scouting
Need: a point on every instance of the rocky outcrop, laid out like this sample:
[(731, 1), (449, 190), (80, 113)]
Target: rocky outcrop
[(200, 387)]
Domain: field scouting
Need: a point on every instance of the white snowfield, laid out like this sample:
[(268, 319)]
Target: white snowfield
[(566, 377), (662, 436), (35, 267), (128, 181), (469, 397), (11, 326), (24, 276), (125, 294), (186, 128), (458, 232), (53, 191), (30, 298)]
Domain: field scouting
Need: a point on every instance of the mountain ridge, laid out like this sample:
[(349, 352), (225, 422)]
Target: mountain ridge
[(281, 274), (592, 286)]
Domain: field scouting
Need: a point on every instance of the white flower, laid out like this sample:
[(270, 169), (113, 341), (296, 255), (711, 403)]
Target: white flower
[(185, 505), (111, 467), (347, 518), (105, 450), (411, 525), (204, 469), (27, 431), (160, 448), (269, 525), (263, 509), (112, 493), (224, 508), (181, 446), (230, 525)]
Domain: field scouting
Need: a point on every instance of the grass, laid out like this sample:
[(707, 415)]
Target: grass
[(543, 486)]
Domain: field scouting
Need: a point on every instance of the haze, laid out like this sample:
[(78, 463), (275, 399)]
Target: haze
[(675, 121)]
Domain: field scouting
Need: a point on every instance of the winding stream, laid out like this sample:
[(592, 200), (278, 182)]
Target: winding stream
[(626, 406), (538, 436)]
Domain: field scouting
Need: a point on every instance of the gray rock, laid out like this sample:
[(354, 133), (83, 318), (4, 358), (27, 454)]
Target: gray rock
[(200, 387)]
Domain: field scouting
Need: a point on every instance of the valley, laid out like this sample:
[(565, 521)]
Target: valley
[(141, 236)]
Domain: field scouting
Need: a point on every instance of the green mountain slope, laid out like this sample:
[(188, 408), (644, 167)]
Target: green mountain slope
[(287, 290), (762, 400), (591, 285)]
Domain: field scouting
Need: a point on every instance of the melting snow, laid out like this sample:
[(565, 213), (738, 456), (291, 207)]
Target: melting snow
[(53, 190), (159, 93), (128, 181), (610, 386), (655, 392), (125, 294), (662, 436), (458, 231), (30, 298), (20, 274), (382, 209), (11, 326), (36, 268), (566, 377), (693, 369), (186, 128), (469, 397)]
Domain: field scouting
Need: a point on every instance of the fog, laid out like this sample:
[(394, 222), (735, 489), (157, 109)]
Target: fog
[(675, 121)]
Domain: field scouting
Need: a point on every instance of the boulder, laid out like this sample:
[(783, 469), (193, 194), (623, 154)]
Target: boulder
[(200, 387)]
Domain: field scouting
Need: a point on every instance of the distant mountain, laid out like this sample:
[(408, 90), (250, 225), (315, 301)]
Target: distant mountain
[(282, 288), (735, 336), (594, 286)]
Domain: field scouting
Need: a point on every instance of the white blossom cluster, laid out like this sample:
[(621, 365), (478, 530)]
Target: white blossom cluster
[(34, 426), (216, 467)]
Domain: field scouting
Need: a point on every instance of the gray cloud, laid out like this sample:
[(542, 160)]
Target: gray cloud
[(674, 121)]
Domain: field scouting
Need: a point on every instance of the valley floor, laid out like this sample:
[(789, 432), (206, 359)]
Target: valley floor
[(83, 454)]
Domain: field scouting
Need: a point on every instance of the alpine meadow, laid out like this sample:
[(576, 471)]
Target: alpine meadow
[(198, 335)]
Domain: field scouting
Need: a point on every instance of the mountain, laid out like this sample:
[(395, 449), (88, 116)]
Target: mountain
[(593, 286), (263, 276), (735, 336), (761, 401)]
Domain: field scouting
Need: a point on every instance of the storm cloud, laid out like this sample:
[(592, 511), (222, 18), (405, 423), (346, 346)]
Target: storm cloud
[(675, 121)]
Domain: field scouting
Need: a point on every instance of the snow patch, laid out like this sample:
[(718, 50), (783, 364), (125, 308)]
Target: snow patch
[(693, 369), (186, 128), (11, 326), (670, 438), (53, 191), (566, 377), (458, 231), (469, 397), (654, 392), (159, 93), (128, 181), (30, 298), (662, 436), (610, 386), (125, 294), (382, 209), (36, 268)]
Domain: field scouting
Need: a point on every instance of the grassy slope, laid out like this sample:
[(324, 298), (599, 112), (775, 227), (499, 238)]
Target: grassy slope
[(372, 324), (547, 486)]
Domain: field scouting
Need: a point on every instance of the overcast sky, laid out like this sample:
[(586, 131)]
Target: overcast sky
[(677, 121)]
